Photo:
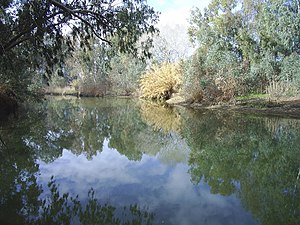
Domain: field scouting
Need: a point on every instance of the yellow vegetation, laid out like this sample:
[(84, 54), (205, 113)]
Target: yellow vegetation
[(161, 81), (160, 117)]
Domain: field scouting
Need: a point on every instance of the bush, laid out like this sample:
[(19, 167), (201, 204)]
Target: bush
[(93, 90), (161, 82), (125, 73), (8, 100), (193, 82), (205, 85), (277, 89)]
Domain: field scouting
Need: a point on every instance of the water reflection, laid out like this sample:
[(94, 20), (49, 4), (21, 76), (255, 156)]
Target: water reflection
[(161, 117), (257, 158), (165, 191), (172, 166)]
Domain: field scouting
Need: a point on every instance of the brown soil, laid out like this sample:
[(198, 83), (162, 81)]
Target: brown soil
[(284, 107)]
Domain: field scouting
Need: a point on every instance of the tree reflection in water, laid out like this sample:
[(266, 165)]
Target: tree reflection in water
[(254, 158), (62, 209)]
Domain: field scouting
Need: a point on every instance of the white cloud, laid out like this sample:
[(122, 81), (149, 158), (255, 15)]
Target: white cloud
[(176, 11), (175, 17)]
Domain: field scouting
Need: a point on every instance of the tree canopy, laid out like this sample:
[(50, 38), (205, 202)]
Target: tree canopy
[(254, 43), (41, 32)]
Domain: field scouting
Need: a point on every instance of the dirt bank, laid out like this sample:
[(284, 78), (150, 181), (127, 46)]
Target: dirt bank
[(284, 107), (281, 107)]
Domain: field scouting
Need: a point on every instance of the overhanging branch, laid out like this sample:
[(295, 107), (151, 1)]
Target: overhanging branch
[(73, 13)]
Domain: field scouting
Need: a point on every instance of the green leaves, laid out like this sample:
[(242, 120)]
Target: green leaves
[(257, 35), (40, 34)]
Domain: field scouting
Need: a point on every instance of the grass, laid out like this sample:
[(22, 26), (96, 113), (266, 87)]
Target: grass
[(61, 90), (252, 96)]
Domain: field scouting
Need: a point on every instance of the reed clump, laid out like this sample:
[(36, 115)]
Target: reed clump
[(160, 82)]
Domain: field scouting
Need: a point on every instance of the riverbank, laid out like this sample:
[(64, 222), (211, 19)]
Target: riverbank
[(263, 105), (284, 107)]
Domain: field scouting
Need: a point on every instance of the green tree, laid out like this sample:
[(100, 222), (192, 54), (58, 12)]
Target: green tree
[(124, 74), (249, 41), (87, 69), (40, 33)]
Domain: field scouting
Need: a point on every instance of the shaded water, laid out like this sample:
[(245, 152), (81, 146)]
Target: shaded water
[(119, 161)]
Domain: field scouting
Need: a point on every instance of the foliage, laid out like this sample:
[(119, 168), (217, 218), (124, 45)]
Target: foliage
[(125, 73), (34, 21), (101, 71), (86, 70), (160, 82), (38, 35), (199, 86), (252, 43), (193, 78)]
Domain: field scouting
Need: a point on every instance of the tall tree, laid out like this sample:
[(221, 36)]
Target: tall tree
[(171, 45), (42, 31), (251, 41)]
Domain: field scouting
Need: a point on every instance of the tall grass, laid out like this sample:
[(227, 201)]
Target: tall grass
[(277, 89), (161, 82)]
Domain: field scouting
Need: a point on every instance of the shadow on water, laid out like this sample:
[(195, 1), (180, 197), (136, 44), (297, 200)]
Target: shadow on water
[(256, 159)]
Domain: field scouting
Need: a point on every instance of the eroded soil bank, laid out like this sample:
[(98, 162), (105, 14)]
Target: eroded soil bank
[(283, 107)]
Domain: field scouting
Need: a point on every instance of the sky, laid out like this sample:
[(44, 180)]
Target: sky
[(176, 11)]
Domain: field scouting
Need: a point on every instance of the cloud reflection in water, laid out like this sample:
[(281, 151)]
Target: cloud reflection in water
[(164, 189)]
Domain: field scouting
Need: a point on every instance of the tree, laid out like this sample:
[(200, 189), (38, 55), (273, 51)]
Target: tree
[(171, 44), (250, 42), (125, 72), (40, 33), (34, 20), (86, 70)]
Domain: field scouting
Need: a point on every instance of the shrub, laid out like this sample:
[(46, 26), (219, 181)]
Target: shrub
[(93, 90), (161, 82), (277, 89)]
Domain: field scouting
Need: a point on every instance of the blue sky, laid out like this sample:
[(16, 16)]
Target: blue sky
[(176, 11)]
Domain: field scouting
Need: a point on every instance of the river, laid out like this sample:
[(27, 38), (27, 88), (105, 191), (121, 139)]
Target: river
[(124, 161)]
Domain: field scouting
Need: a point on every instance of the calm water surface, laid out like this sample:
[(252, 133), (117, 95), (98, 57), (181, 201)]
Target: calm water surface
[(119, 161)]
